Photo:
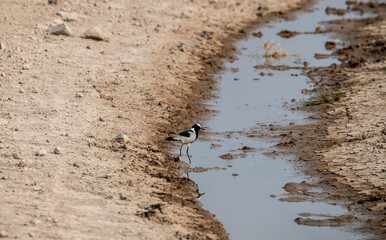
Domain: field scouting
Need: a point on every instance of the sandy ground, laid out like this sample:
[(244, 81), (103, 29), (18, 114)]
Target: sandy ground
[(345, 148), (146, 78)]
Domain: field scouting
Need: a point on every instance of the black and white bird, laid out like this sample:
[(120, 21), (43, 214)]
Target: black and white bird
[(186, 138)]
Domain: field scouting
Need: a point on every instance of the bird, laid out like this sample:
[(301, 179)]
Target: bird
[(186, 138)]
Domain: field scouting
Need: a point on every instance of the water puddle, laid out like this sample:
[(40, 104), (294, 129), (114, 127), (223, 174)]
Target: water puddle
[(260, 89)]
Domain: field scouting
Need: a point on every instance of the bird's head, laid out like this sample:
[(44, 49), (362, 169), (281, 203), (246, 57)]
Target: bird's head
[(196, 127)]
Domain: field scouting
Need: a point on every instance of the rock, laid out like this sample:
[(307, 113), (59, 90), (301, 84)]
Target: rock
[(2, 45), (55, 2), (79, 95), (3, 233), (26, 67), (57, 150), (1, 140), (182, 47), (287, 33), (293, 187), (34, 90), (121, 138), (22, 164), (95, 34), (122, 197), (330, 45), (40, 153), (257, 34), (68, 17), (61, 29), (16, 156), (21, 90)]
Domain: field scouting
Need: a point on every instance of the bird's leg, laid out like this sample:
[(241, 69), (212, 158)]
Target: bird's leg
[(187, 153), (181, 150)]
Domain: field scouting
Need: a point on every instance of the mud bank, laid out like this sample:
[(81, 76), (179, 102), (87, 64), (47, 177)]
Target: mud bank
[(345, 149), (147, 77)]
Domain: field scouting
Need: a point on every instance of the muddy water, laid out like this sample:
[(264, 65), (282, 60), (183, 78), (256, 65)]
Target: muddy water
[(244, 190)]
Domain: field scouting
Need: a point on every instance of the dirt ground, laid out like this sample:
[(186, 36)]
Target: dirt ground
[(345, 147), (65, 97)]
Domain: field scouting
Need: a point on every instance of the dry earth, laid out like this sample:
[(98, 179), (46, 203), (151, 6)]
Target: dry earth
[(151, 70), (345, 148)]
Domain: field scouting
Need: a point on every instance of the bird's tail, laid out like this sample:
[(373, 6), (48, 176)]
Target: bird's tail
[(170, 139)]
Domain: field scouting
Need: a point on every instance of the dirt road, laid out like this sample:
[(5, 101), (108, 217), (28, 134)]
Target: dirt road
[(65, 97)]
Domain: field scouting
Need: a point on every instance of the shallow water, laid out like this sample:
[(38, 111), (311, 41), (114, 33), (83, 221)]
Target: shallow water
[(243, 202)]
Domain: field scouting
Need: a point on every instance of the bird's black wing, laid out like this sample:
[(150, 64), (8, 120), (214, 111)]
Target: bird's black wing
[(186, 133)]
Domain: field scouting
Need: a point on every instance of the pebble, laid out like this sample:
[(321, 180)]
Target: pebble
[(21, 90), (2, 45), (61, 29), (56, 2), (16, 156), (26, 67), (34, 90), (57, 150), (1, 140), (122, 197), (79, 95), (68, 17), (95, 34), (121, 138), (40, 153), (3, 233)]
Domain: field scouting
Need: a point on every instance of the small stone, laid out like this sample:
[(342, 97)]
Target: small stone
[(26, 67), (2, 45), (79, 95), (40, 153), (1, 140), (122, 197), (257, 34), (34, 90), (21, 164), (3, 233), (68, 17), (61, 29), (21, 90), (16, 156), (101, 119), (55, 2), (121, 138), (57, 150), (330, 45), (95, 34), (182, 47), (292, 123)]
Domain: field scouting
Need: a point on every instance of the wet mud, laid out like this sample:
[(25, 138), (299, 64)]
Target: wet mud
[(345, 148)]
